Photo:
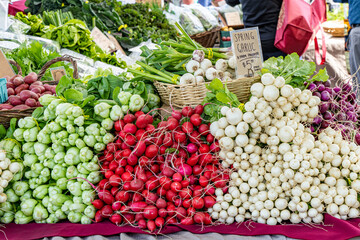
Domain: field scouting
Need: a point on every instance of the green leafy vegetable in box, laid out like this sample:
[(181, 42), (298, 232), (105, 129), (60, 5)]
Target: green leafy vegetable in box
[(73, 35), (33, 57), (36, 23)]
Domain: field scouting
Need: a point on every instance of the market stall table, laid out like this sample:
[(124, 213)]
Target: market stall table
[(332, 228), (16, 6)]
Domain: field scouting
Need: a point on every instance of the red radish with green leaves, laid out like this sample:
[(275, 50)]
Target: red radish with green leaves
[(164, 170)]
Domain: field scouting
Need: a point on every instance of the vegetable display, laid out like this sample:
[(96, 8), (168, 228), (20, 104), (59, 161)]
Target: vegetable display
[(143, 22), (103, 148), (184, 63), (158, 173), (73, 35), (289, 174), (24, 92), (60, 164), (338, 109), (130, 95)]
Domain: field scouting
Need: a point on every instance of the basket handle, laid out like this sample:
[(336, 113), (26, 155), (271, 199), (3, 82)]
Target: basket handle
[(59, 59), (12, 62)]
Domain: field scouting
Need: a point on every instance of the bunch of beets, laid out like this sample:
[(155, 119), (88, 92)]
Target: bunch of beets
[(158, 174)]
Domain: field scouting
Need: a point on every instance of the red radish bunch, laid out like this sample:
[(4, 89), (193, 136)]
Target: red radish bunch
[(160, 175), (25, 92)]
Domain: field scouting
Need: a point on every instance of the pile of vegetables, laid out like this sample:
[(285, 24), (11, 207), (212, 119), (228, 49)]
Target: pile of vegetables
[(158, 173), (130, 95), (24, 92), (32, 57), (338, 109), (60, 162), (73, 35), (144, 22), (184, 62), (280, 171)]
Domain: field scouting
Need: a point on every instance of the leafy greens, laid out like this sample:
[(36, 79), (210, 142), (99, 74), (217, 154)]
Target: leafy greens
[(296, 72)]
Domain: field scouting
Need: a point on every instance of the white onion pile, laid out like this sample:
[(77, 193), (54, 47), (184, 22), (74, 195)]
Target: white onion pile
[(280, 170)]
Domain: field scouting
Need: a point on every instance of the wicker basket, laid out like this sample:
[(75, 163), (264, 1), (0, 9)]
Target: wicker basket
[(7, 115), (207, 39), (335, 28), (55, 60), (12, 62), (241, 87), (192, 95), (181, 95)]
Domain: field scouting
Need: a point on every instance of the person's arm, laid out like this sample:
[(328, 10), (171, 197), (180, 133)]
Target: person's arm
[(233, 3)]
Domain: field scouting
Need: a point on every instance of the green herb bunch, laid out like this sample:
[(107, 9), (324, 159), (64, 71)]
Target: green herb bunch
[(33, 57)]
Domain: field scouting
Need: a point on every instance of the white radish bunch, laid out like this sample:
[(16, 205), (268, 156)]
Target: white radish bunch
[(200, 69), (279, 167), (7, 171)]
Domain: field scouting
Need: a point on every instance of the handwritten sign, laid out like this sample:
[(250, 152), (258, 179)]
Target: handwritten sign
[(57, 73), (5, 69), (102, 41), (247, 50), (233, 19)]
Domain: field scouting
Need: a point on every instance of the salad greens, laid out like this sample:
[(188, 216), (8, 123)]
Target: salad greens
[(36, 23), (296, 72), (73, 35), (33, 57), (38, 6), (144, 22)]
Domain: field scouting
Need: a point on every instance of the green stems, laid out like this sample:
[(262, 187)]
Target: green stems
[(154, 70), (150, 76)]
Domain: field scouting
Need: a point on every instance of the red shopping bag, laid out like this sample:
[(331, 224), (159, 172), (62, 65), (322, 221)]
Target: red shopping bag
[(298, 24)]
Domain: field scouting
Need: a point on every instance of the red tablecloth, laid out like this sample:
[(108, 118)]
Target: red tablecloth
[(15, 7), (333, 228)]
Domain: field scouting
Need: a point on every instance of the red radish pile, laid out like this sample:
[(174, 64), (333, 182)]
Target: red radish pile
[(24, 92), (160, 175)]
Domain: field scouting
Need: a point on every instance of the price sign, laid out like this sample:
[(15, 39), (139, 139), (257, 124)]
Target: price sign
[(102, 41), (5, 68), (247, 50), (233, 19), (57, 73)]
